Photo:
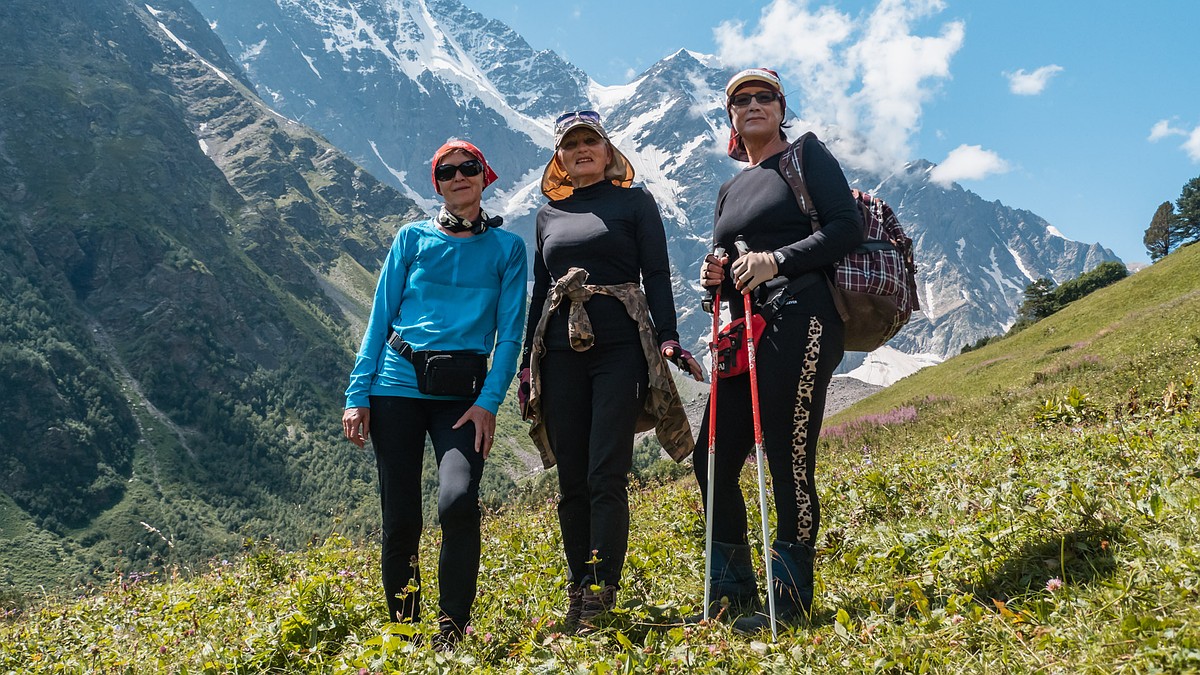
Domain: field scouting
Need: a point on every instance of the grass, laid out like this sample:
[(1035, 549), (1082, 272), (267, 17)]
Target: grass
[(1063, 549), (1030, 507)]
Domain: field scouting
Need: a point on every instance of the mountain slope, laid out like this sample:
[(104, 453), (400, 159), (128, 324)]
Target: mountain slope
[(183, 274), (1121, 346), (389, 80), (974, 258)]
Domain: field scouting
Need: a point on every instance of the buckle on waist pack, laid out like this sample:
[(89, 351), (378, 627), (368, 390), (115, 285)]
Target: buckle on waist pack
[(396, 342), (787, 293)]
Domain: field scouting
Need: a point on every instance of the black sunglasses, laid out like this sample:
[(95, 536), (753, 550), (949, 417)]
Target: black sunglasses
[(469, 168), (763, 98)]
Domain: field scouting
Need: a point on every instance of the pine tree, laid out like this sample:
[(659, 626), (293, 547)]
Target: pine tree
[(1188, 206), (1163, 233), (1039, 301)]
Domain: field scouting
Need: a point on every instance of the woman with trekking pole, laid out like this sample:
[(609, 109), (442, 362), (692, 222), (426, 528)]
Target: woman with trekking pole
[(778, 270), (601, 327), (451, 289)]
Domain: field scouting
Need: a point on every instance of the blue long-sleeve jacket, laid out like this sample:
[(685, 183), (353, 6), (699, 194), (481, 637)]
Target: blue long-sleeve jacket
[(444, 293)]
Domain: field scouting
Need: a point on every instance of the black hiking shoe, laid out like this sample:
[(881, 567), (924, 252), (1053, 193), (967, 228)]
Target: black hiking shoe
[(595, 605), (574, 608), (448, 636)]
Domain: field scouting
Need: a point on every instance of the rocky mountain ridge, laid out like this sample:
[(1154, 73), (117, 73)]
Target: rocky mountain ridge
[(470, 76)]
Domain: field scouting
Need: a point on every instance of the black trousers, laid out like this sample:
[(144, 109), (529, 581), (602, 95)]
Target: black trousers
[(795, 363), (591, 401), (398, 429)]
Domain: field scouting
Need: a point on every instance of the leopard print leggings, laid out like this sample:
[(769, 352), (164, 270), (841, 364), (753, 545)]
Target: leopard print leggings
[(796, 361)]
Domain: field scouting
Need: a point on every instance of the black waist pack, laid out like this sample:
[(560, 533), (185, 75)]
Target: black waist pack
[(444, 373)]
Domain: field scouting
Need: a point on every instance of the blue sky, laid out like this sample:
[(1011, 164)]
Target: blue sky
[(1085, 112)]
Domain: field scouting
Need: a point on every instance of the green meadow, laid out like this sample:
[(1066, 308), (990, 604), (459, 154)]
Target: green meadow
[(1028, 507)]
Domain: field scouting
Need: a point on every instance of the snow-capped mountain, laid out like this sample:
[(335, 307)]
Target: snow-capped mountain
[(390, 80)]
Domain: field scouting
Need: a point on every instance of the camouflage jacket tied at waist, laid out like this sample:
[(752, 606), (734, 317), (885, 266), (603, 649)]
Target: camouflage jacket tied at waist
[(663, 411)]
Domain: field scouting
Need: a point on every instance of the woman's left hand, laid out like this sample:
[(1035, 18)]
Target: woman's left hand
[(485, 428), (683, 359), (754, 268)]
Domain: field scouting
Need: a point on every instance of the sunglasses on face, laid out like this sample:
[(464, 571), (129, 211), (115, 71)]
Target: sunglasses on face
[(763, 98), (469, 168), (564, 120)]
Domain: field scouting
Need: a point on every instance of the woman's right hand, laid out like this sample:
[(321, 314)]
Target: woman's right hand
[(712, 270), (356, 425), (523, 393)]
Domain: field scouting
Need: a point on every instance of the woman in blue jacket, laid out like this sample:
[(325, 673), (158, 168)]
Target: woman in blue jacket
[(451, 292)]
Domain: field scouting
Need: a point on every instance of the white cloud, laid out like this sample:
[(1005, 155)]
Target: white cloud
[(1031, 84), (1192, 145), (1164, 129), (967, 162), (868, 75)]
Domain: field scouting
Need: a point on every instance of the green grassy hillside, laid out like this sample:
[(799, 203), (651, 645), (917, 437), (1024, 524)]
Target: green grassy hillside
[(1032, 507), (1119, 345)]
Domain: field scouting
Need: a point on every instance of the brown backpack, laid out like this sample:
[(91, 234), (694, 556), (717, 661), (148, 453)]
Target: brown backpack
[(875, 285)]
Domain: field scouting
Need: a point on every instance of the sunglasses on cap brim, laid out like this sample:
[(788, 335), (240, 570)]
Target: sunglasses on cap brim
[(469, 168), (565, 120)]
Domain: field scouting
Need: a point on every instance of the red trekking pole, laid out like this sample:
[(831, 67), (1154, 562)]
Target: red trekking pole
[(712, 439), (743, 249)]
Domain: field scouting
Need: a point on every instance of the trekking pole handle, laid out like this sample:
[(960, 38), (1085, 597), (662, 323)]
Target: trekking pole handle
[(742, 247), (707, 303)]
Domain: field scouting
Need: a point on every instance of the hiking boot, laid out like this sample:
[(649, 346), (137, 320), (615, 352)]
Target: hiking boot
[(574, 607), (792, 567), (734, 588), (595, 605), (448, 636)]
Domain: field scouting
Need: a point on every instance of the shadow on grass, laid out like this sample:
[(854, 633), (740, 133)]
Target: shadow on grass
[(1078, 558)]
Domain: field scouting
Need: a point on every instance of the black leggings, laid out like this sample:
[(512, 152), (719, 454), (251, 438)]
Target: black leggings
[(591, 401), (398, 429), (795, 361)]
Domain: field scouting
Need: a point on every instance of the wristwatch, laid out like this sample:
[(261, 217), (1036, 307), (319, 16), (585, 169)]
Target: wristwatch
[(778, 259)]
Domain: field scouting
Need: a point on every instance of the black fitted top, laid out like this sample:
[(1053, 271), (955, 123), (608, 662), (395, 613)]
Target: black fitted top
[(758, 204), (616, 234)]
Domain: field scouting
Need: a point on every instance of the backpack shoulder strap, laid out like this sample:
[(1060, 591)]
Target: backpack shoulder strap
[(791, 165)]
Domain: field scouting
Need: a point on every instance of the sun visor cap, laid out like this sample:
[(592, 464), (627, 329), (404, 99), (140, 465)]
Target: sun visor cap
[(556, 182), (764, 76)]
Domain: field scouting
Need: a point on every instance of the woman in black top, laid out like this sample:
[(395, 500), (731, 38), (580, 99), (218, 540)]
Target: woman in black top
[(800, 348), (592, 381)]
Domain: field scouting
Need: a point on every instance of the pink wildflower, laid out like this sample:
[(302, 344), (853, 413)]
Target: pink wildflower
[(1054, 584)]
